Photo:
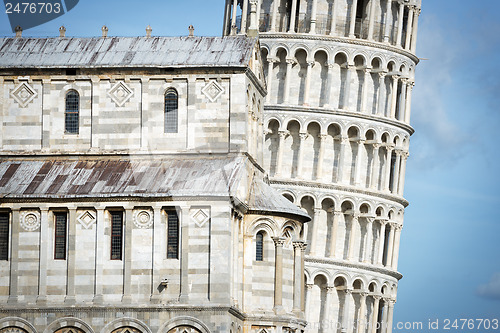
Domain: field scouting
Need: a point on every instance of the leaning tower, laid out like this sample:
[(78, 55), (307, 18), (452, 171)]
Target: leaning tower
[(340, 75)]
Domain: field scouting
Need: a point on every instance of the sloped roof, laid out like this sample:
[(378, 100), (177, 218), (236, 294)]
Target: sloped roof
[(126, 52), (174, 176)]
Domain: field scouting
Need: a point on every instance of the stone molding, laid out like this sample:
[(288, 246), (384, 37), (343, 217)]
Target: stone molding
[(30, 220)]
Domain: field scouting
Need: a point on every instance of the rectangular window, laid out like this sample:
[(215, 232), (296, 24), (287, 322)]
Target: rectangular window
[(173, 235), (4, 236), (60, 236), (116, 235)]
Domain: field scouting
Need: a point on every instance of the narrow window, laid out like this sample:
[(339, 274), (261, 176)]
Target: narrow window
[(72, 112), (4, 236), (171, 105), (173, 235), (60, 236), (259, 246), (116, 235)]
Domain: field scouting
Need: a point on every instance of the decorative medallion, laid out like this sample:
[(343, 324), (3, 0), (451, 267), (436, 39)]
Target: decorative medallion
[(23, 94), (143, 219), (30, 220), (87, 219), (213, 90), (200, 217), (120, 93)]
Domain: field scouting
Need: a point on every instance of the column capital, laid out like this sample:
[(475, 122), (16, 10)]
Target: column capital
[(283, 134), (344, 139), (338, 212), (398, 226), (309, 286), (322, 136), (303, 136), (330, 289), (376, 297), (377, 145), (405, 155), (310, 63), (272, 59), (382, 221), (279, 241), (363, 293), (348, 291), (382, 74), (299, 244), (330, 65), (396, 77), (290, 61), (390, 147), (370, 219)]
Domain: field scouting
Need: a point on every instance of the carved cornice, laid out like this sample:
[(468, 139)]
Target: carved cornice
[(365, 267), (311, 110), (335, 187), (344, 40)]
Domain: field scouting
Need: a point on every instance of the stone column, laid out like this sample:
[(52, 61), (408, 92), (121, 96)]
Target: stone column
[(333, 237), (384, 316), (254, 22), (244, 15), (371, 23), (340, 176), (99, 255), (314, 237), (71, 262), (352, 23), (376, 304), (278, 274), (394, 95), (397, 167), (321, 156), (14, 257), (402, 103), (390, 246), (381, 95), (303, 282), (292, 16), (307, 88), (403, 173), (333, 26), (309, 287), (359, 162), (297, 276), (270, 77), (279, 159), (413, 46), (409, 25), (127, 256), (364, 90), (157, 256), (368, 239), (347, 95), (288, 77), (352, 237), (361, 324), (300, 162), (397, 241), (408, 101), (331, 66), (388, 164), (328, 306), (313, 16), (274, 15), (227, 13), (390, 315), (381, 244), (233, 17), (388, 22), (375, 166), (346, 323), (45, 247), (184, 254), (400, 24)]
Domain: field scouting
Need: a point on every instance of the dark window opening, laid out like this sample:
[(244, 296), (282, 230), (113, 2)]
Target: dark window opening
[(4, 236), (72, 115), (171, 113), (116, 235), (259, 246), (60, 236), (173, 235)]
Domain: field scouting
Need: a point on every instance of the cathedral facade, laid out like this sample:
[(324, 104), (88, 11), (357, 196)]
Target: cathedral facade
[(245, 183)]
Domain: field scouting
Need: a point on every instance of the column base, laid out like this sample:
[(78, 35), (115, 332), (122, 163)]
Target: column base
[(98, 300), (12, 299), (127, 299), (70, 300), (42, 300), (279, 310)]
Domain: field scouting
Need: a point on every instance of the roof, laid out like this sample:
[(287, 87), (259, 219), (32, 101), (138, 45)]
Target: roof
[(176, 176), (126, 52)]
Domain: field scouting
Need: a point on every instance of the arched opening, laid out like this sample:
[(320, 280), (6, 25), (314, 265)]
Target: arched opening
[(72, 113), (171, 111)]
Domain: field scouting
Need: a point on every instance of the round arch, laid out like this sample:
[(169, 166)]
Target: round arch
[(117, 324), (184, 321), (68, 322), (16, 322)]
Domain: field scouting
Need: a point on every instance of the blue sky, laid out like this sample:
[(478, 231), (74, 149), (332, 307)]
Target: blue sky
[(450, 249)]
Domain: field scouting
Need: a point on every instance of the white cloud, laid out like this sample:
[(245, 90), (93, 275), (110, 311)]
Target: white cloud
[(490, 290)]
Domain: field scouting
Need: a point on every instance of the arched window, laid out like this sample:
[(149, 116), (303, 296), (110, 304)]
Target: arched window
[(171, 105), (259, 246), (72, 114)]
